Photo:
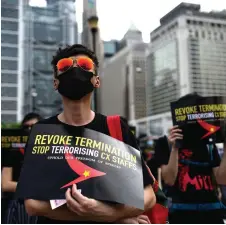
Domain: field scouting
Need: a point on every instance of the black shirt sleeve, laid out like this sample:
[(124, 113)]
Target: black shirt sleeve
[(129, 139), (162, 151), (215, 158), (8, 158)]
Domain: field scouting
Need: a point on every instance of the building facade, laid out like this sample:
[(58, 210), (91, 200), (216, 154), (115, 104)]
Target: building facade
[(124, 76), (187, 54), (110, 48), (11, 71), (30, 37), (46, 29)]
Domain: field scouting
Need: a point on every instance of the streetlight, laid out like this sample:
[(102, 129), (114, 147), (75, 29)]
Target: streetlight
[(34, 94), (93, 24)]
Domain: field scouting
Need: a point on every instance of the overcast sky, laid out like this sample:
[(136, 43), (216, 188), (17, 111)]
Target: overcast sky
[(116, 16)]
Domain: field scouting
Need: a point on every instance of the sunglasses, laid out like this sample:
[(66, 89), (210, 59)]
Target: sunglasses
[(84, 63)]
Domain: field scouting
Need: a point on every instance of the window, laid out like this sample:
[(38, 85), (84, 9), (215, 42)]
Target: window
[(222, 36), (9, 78), (9, 25), (9, 12), (9, 105), (9, 92), (196, 34), (48, 32), (8, 118), (42, 59), (10, 52), (9, 65), (9, 38), (203, 34), (188, 21), (12, 2)]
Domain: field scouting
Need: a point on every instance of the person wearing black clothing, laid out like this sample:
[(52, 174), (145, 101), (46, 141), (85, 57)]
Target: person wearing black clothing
[(189, 172), (12, 163), (75, 78)]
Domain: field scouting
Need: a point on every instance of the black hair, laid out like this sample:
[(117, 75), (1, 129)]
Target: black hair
[(189, 96), (31, 116), (73, 50)]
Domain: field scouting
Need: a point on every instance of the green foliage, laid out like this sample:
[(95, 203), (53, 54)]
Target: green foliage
[(10, 125)]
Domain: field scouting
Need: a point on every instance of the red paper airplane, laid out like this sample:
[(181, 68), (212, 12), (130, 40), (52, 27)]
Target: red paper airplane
[(22, 150), (85, 172), (209, 127)]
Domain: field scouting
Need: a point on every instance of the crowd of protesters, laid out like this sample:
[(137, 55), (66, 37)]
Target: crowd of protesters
[(190, 178)]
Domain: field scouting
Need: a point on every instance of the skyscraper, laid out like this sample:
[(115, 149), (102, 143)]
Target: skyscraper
[(11, 70), (187, 54), (124, 77), (46, 28)]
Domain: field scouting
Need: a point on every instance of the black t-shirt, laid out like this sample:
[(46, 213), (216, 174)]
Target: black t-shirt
[(194, 180), (13, 158), (161, 143), (99, 124)]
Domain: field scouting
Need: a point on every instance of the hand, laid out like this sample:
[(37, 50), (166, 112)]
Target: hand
[(89, 208), (175, 134), (132, 220), (142, 219)]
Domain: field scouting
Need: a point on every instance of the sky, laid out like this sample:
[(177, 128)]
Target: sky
[(116, 16)]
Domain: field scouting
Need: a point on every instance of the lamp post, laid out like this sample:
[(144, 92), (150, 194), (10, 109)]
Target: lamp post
[(34, 94), (93, 24)]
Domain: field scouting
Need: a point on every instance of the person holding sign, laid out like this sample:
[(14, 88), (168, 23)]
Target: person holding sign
[(12, 164), (75, 78), (189, 172)]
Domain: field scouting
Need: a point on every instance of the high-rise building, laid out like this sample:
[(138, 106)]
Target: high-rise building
[(110, 48), (45, 30), (187, 54), (123, 82), (11, 71)]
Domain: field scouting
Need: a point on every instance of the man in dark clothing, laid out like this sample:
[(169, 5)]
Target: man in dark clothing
[(12, 164), (75, 78), (189, 173)]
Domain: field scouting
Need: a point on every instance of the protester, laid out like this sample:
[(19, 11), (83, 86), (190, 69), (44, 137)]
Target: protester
[(75, 78), (162, 143), (11, 171), (189, 172), (221, 173)]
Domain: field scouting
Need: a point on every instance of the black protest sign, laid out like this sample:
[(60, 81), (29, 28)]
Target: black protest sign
[(133, 130), (202, 119), (13, 138), (59, 156)]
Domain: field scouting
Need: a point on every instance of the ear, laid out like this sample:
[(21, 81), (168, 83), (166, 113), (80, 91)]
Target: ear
[(55, 83), (97, 82)]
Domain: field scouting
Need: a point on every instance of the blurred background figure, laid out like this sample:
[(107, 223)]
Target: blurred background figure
[(12, 164), (222, 188)]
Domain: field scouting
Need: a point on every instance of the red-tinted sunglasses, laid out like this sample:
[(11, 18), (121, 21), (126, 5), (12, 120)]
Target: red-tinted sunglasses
[(84, 63)]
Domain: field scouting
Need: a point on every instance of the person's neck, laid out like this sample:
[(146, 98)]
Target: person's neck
[(76, 113)]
